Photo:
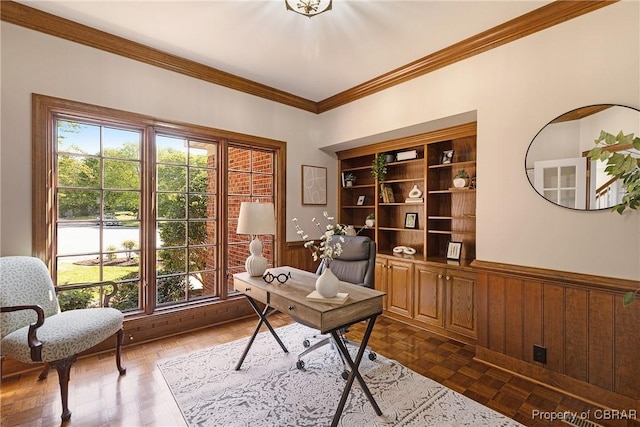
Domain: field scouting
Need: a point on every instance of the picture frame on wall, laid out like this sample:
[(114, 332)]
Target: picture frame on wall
[(447, 157), (454, 250), (411, 220), (360, 201), (314, 185)]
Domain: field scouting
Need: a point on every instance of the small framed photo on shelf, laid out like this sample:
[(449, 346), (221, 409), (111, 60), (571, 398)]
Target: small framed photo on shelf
[(447, 157), (360, 201), (454, 250), (411, 220)]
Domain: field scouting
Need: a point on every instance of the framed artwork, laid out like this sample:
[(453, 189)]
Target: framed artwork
[(314, 185), (411, 220), (360, 201), (447, 157), (454, 250)]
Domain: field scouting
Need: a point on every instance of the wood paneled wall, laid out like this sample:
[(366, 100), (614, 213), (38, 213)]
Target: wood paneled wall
[(592, 342), (296, 255)]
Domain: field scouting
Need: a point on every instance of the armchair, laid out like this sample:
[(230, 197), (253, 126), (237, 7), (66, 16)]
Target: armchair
[(34, 330), (355, 265)]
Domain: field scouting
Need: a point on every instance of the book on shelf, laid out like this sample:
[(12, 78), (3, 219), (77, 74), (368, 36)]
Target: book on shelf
[(387, 194), (340, 298), (414, 200)]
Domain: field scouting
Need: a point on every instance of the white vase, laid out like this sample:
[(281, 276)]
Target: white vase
[(459, 182), (327, 284)]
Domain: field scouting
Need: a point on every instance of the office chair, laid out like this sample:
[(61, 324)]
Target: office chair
[(355, 265)]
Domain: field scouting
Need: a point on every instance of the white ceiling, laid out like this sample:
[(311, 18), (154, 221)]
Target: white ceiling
[(312, 58)]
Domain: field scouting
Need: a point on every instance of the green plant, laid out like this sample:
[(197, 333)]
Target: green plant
[(630, 296), (462, 174), (379, 167), (621, 166), (129, 245), (111, 256), (350, 177), (371, 216)]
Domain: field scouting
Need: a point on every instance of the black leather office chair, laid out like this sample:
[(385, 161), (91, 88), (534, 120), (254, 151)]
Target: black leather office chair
[(355, 265)]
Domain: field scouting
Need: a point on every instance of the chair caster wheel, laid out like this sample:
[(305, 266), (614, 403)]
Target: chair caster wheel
[(372, 355), (345, 375), (300, 364), (306, 344)]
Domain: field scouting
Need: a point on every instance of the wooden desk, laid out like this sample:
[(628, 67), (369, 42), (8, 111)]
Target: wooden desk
[(291, 298)]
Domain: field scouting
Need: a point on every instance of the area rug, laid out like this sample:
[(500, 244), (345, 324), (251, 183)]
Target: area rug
[(270, 391)]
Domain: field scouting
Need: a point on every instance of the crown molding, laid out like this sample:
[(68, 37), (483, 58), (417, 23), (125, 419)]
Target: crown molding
[(522, 26)]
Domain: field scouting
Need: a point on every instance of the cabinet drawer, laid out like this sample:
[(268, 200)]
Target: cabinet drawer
[(250, 290), (299, 312)]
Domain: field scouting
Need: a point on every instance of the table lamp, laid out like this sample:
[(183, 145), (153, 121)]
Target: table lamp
[(256, 218)]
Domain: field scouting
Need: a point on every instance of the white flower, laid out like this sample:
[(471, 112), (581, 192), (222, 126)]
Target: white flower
[(328, 247)]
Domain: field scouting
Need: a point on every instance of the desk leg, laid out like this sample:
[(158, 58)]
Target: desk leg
[(263, 319), (354, 371)]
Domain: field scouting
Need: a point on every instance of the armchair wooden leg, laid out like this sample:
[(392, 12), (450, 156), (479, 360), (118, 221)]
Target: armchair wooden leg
[(45, 372), (64, 368), (119, 340)]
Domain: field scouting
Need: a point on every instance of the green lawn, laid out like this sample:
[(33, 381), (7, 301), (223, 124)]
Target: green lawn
[(73, 273)]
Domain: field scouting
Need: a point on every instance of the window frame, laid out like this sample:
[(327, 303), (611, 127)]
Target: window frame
[(44, 111)]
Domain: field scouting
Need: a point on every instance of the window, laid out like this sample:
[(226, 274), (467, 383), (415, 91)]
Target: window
[(121, 197)]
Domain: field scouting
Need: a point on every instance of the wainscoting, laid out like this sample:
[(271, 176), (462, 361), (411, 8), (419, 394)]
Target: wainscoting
[(592, 342)]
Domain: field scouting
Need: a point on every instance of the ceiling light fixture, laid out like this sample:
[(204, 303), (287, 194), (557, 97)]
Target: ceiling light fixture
[(308, 8)]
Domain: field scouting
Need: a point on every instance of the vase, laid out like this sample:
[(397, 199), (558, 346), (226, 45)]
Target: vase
[(459, 182), (327, 284)]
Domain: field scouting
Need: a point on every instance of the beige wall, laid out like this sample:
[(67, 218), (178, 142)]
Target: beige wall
[(514, 90)]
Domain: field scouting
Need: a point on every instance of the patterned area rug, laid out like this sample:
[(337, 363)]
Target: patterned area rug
[(270, 391)]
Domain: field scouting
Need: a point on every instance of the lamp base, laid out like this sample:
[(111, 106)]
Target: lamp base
[(256, 264)]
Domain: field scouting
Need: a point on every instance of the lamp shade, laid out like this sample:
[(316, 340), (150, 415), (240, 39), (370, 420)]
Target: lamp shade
[(256, 218)]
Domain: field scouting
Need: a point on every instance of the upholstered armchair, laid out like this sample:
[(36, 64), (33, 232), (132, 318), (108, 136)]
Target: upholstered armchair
[(34, 330), (355, 265)]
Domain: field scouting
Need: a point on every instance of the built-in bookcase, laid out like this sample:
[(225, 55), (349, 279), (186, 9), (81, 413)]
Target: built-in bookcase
[(427, 223)]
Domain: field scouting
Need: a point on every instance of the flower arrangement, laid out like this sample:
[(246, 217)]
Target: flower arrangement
[(327, 248)]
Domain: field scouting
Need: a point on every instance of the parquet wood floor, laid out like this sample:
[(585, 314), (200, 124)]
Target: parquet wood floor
[(99, 397)]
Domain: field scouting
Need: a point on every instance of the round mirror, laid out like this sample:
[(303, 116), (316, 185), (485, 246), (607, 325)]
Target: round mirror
[(557, 164)]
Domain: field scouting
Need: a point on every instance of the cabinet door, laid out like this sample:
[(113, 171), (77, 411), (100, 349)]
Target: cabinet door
[(461, 310), (429, 294), (381, 279), (399, 287)]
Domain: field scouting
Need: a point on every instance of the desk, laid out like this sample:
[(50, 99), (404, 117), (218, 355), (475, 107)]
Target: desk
[(291, 298)]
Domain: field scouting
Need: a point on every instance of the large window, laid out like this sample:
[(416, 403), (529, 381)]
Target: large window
[(152, 206)]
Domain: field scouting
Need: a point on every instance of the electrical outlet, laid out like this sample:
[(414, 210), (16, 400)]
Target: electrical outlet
[(539, 353)]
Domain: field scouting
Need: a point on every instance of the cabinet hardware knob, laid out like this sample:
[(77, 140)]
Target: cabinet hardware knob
[(448, 278), (291, 307), (247, 289), (439, 276)]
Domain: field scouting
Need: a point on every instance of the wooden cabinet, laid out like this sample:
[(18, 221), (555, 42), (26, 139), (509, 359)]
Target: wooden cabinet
[(429, 295), (399, 277), (460, 303)]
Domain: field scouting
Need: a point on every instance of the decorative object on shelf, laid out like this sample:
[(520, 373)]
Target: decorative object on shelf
[(350, 231), (407, 155), (415, 195), (411, 220), (386, 193), (314, 185), (308, 8), (389, 158), (407, 250), (447, 157), (472, 183), (460, 179), (349, 179), (360, 201), (454, 250), (370, 221), (622, 167), (254, 219)]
